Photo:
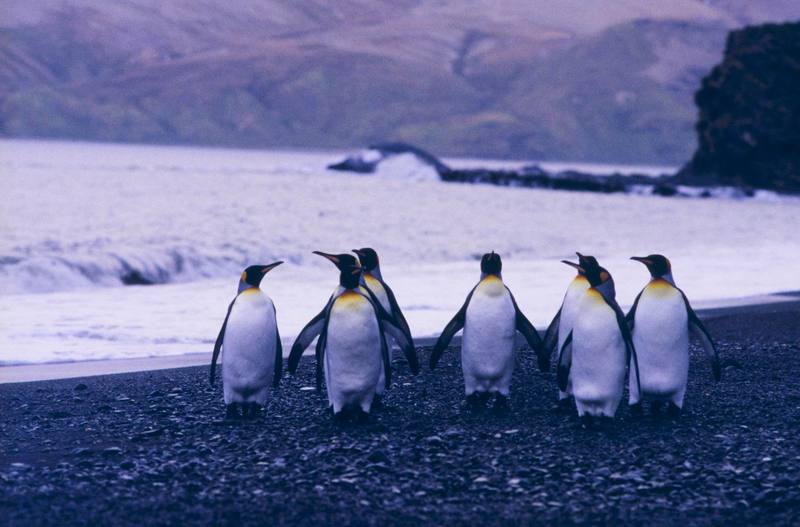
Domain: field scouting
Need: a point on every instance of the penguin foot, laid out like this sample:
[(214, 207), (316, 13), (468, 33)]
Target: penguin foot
[(673, 411), (251, 411), (501, 404), (377, 402), (361, 417), (476, 401), (564, 405), (637, 409), (351, 415), (655, 408), (232, 412)]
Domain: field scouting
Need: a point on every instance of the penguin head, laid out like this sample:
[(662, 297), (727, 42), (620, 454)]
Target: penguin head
[(657, 264), (252, 276), (368, 257), (349, 267), (491, 264), (585, 260), (596, 274)]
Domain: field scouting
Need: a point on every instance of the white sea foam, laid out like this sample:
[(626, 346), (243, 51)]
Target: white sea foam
[(78, 218)]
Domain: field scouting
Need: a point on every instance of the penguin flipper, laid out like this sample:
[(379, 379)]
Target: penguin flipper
[(525, 327), (630, 318), (449, 331), (308, 334), (625, 330), (551, 335), (564, 363), (701, 332), (396, 312), (218, 344), (276, 381), (396, 329)]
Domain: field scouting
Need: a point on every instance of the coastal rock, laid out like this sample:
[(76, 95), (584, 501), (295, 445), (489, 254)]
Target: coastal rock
[(749, 110)]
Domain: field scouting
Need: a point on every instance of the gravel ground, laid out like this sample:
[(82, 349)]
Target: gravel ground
[(152, 448)]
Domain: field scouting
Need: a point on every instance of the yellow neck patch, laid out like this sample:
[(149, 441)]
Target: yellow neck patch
[(660, 287), (349, 300), (491, 285)]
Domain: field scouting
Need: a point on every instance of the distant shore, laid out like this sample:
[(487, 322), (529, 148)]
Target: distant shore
[(152, 446)]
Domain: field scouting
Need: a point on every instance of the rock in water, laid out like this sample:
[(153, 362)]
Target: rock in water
[(749, 123)]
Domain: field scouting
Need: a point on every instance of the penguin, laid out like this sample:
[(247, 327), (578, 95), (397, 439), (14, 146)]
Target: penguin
[(351, 348), (373, 280), (490, 317), (660, 321), (561, 324), (252, 346), (598, 349)]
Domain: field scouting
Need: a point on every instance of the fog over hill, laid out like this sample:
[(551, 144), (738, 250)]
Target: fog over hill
[(567, 79)]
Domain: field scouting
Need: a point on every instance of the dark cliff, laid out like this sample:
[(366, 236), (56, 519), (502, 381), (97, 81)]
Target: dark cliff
[(749, 112)]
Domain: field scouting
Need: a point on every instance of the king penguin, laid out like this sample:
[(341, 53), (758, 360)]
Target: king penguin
[(351, 348), (660, 321), (561, 324), (252, 346), (597, 351), (490, 317), (373, 280)]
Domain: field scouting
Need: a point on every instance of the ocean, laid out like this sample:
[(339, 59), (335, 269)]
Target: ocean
[(79, 221)]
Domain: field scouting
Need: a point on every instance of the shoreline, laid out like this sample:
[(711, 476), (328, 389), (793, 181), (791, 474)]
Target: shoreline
[(17, 373), (113, 449)]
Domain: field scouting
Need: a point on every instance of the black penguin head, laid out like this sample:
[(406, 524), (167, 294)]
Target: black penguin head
[(349, 267), (594, 273), (251, 277), (585, 260), (368, 257), (657, 264), (491, 264)]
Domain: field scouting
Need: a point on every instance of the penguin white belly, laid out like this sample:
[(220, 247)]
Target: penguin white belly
[(487, 346), (569, 309), (380, 293), (598, 358), (352, 352), (248, 349), (661, 339)]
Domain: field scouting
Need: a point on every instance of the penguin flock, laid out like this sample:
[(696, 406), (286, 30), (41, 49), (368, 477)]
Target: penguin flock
[(597, 345)]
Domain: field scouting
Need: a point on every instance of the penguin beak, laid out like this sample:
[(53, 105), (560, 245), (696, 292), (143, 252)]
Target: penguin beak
[(642, 259), (358, 252), (267, 268), (571, 264), (332, 257)]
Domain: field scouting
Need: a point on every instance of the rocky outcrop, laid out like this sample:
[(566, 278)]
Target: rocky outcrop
[(749, 123)]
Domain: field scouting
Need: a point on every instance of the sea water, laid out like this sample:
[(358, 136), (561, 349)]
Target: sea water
[(78, 221)]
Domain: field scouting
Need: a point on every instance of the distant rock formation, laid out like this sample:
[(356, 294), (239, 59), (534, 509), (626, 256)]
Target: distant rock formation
[(366, 162), (749, 123)]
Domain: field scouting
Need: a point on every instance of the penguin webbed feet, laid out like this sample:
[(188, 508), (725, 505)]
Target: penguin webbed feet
[(242, 411), (476, 401), (502, 404), (350, 415)]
